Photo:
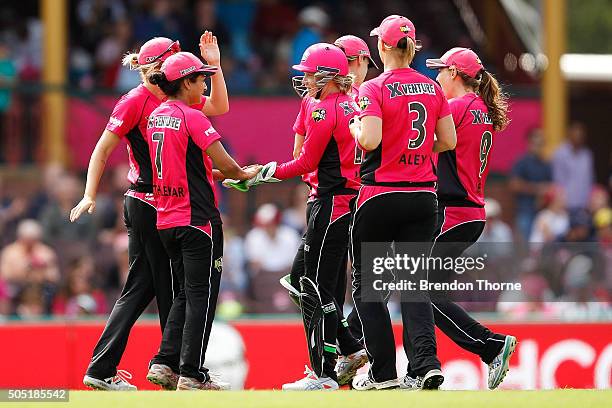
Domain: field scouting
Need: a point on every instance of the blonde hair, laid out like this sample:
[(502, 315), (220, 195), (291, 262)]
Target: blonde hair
[(131, 60), (405, 50), (343, 82)]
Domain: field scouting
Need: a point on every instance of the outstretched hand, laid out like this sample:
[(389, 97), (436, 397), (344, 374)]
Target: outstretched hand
[(209, 49)]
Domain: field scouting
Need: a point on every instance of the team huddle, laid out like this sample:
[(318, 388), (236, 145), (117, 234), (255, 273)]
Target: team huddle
[(395, 159)]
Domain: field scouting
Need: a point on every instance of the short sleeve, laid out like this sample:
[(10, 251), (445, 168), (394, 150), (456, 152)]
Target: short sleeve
[(370, 101), (200, 106), (201, 130), (299, 127), (125, 116)]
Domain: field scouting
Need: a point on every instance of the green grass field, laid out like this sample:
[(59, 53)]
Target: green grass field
[(352, 399)]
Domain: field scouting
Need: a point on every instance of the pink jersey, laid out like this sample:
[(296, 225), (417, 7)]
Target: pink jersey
[(328, 152), (299, 127), (409, 105), (129, 121), (462, 172), (183, 185)]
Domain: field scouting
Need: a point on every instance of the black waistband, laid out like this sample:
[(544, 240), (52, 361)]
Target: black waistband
[(142, 188), (400, 183)]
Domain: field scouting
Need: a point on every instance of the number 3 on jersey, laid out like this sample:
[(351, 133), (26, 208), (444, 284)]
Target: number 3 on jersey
[(485, 147), (417, 124), (158, 137)]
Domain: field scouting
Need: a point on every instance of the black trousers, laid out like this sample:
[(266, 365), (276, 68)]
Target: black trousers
[(197, 259), (451, 318), (150, 276), (394, 217), (322, 257)]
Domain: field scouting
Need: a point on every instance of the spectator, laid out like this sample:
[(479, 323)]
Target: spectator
[(30, 303), (77, 296), (552, 223), (295, 216), (54, 217), (29, 261), (530, 179), (270, 248), (313, 21), (573, 168), (496, 232), (8, 74), (110, 52), (12, 209)]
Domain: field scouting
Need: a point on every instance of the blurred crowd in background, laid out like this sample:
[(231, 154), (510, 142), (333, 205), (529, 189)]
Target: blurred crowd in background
[(260, 39), (51, 267)]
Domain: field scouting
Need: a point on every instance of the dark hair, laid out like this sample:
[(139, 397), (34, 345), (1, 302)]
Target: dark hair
[(170, 88), (493, 96)]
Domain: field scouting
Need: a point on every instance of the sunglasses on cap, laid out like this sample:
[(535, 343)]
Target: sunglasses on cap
[(173, 48)]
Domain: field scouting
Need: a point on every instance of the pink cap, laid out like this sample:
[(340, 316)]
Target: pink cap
[(182, 64), (157, 49), (464, 59), (323, 57), (354, 47), (394, 28)]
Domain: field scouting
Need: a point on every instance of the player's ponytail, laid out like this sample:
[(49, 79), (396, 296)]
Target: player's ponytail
[(406, 50), (344, 82), (130, 60), (496, 100)]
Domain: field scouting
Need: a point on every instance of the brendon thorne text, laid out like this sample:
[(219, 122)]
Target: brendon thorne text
[(455, 285)]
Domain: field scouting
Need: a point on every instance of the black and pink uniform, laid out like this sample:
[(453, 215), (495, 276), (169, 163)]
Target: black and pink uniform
[(150, 274), (327, 165), (397, 204), (462, 174), (189, 225)]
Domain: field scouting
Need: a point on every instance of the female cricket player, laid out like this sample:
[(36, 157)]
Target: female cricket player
[(351, 355), (479, 110), (401, 110), (328, 155), (182, 143), (150, 274)]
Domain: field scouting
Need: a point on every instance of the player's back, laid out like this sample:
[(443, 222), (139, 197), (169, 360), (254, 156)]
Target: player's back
[(462, 172), (178, 137), (409, 105)]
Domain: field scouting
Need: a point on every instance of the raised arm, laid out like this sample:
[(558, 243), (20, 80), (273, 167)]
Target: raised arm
[(217, 103)]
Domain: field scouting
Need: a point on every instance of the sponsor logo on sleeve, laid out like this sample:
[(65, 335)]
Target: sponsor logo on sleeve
[(211, 130), (364, 102), (115, 122), (219, 264), (318, 115)]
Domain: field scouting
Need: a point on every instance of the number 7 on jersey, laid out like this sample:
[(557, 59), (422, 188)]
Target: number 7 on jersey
[(158, 137)]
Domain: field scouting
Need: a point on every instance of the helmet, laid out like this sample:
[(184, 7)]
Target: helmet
[(157, 49), (325, 61), (182, 64)]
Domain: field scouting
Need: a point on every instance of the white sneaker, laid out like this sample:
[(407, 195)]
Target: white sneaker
[(500, 364), (117, 383), (363, 382), (430, 381), (312, 383), (347, 366), (408, 383), (214, 384)]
